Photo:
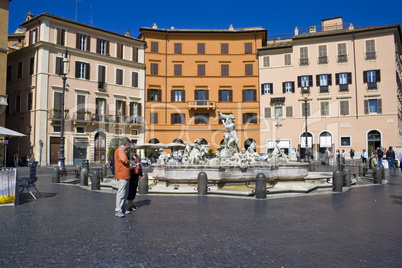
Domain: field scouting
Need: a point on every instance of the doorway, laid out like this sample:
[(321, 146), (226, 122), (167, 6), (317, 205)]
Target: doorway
[(100, 147), (373, 140)]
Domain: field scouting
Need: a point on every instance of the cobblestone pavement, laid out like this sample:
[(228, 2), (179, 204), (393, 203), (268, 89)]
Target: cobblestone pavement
[(76, 227)]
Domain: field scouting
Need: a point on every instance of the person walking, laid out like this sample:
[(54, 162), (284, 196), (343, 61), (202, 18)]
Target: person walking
[(135, 175), (374, 161), (391, 158), (343, 157), (298, 156), (352, 157), (364, 156), (380, 155), (122, 175)]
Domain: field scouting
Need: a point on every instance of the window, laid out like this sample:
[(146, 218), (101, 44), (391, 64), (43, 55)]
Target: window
[(371, 78), (201, 69), (154, 68), (9, 70), (154, 94), (224, 70), (154, 47), (81, 70), (344, 107), (119, 76), (177, 70), (248, 48), (224, 48), (178, 96), (200, 95), (267, 112), (304, 56), (135, 54), (305, 82), (100, 109), (249, 118), (324, 108), (278, 111), (154, 118), (177, 118), (33, 36), (201, 48), (102, 46), (324, 81), (18, 104), (119, 50), (288, 87), (80, 129), (83, 42), (345, 142), (373, 106), (101, 77), (322, 54), (343, 80), (266, 61), (29, 101), (61, 37), (59, 66), (134, 79), (287, 59), (225, 95), (31, 65), (57, 104), (19, 69), (80, 107), (304, 106), (370, 50), (201, 118), (289, 111), (118, 131), (177, 48), (120, 110), (249, 95), (267, 88), (134, 132), (56, 128), (135, 111), (342, 54), (248, 69)]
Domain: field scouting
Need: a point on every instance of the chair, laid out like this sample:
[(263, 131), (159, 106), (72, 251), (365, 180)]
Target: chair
[(28, 183)]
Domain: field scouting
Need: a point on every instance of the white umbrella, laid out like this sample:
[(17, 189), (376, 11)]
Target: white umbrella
[(10, 133), (175, 145), (150, 146)]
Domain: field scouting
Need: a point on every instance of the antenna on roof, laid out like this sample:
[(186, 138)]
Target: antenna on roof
[(92, 12), (76, 7)]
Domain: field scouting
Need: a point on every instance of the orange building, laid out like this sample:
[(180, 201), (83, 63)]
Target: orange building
[(192, 73)]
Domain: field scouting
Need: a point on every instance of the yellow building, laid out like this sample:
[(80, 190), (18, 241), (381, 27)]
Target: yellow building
[(192, 73), (3, 57)]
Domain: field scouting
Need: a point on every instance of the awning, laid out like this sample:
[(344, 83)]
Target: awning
[(10, 133)]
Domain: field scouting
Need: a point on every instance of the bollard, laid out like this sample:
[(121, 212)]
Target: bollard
[(143, 184), (382, 173), (95, 180), (261, 186), (202, 183), (347, 181), (104, 171), (337, 182), (56, 175), (362, 170), (377, 175), (100, 170), (85, 164), (84, 177), (311, 166), (78, 172)]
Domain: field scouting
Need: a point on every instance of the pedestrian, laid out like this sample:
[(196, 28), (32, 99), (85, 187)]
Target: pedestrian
[(364, 156), (352, 157), (327, 156), (331, 158), (374, 161), (122, 175), (380, 155), (338, 157), (135, 175), (343, 157), (298, 156), (15, 159), (391, 158), (400, 160)]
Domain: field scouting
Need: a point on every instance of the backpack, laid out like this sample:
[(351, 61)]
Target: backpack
[(111, 162)]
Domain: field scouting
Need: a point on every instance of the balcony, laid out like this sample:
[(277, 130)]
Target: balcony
[(202, 104), (101, 85), (82, 117), (342, 58), (372, 85), (304, 62), (370, 55), (56, 114), (112, 119), (324, 89), (343, 87), (305, 90), (323, 60)]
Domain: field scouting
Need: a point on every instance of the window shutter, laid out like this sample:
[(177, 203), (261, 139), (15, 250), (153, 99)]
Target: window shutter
[(58, 65), (172, 119), (134, 79), (336, 79), (220, 95), (379, 106), (196, 94), (299, 81), (255, 94), (317, 80), (366, 107), (267, 112), (230, 95), (159, 95), (78, 41), (123, 104), (206, 94), (118, 51), (378, 75), (310, 80), (107, 47), (172, 92), (139, 109), (283, 87), (244, 95), (30, 37), (97, 45), (87, 69), (349, 78), (148, 94), (183, 96), (59, 36), (244, 119), (271, 89), (88, 39), (262, 89), (293, 87), (77, 69), (365, 77), (329, 79)]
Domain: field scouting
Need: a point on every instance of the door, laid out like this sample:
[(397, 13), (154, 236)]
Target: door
[(54, 150), (100, 147)]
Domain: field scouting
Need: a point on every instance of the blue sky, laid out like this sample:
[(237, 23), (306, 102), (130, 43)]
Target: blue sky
[(279, 17)]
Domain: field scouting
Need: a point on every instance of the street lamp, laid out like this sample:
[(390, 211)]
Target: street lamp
[(62, 167), (305, 93)]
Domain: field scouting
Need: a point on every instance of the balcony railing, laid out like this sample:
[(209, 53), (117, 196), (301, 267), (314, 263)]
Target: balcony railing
[(342, 58), (372, 85), (132, 120), (324, 89), (82, 116), (343, 87), (322, 60), (201, 104), (101, 85), (55, 115), (303, 62), (370, 55)]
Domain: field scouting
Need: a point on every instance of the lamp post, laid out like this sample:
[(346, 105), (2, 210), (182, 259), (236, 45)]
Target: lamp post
[(305, 93), (62, 167)]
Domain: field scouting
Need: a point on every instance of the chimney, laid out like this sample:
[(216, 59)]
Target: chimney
[(127, 33), (296, 30), (313, 29), (29, 16), (351, 26), (231, 27), (154, 26)]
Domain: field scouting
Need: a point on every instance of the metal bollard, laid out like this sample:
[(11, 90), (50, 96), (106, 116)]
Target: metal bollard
[(143, 184), (202, 183), (56, 175), (347, 178), (261, 186), (377, 175), (104, 171), (362, 170), (84, 177), (337, 182), (95, 180), (78, 172)]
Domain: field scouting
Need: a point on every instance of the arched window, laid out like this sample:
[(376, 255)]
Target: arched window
[(248, 142), (154, 141)]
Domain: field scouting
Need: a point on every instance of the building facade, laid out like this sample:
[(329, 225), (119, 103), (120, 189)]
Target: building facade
[(346, 80), (103, 98), (190, 74)]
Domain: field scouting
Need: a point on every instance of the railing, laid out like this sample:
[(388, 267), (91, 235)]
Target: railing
[(82, 116), (56, 115), (303, 62), (342, 58), (305, 90), (136, 120), (343, 87), (370, 55), (102, 118), (371, 85), (324, 89), (201, 104), (322, 60), (101, 85)]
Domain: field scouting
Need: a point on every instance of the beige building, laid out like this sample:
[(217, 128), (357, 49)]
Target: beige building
[(105, 88), (3, 61), (347, 79)]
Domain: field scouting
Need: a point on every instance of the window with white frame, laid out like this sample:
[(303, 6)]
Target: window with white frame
[(342, 53), (82, 70), (82, 45), (324, 108), (370, 49), (102, 46), (304, 56), (266, 88), (266, 61), (322, 54), (346, 142), (288, 87), (287, 59), (344, 107)]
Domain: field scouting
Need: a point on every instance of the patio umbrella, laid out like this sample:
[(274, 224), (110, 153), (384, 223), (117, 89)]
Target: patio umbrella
[(175, 145), (150, 146), (10, 133)]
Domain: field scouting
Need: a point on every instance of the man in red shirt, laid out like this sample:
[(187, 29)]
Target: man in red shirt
[(122, 175)]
